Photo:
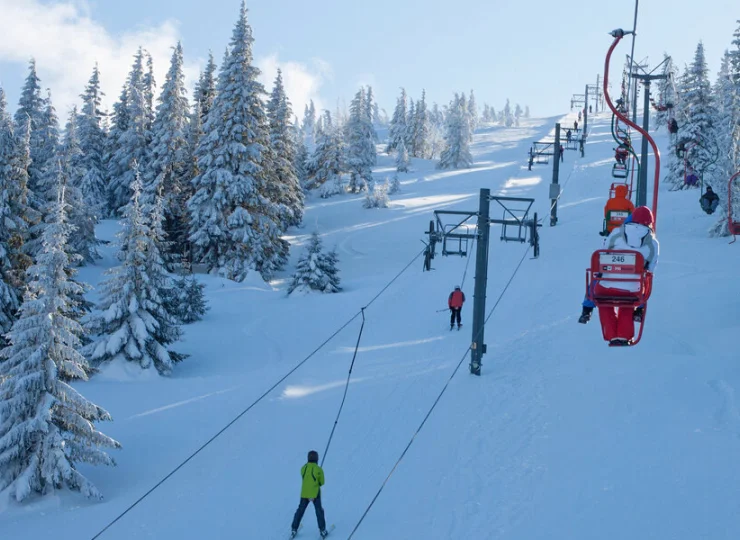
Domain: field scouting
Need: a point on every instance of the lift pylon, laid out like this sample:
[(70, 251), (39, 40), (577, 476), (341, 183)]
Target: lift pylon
[(516, 226)]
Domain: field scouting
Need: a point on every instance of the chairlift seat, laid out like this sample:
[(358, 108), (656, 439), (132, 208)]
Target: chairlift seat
[(621, 266), (619, 170)]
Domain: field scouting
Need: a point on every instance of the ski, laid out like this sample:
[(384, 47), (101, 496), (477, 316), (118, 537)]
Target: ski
[(328, 531)]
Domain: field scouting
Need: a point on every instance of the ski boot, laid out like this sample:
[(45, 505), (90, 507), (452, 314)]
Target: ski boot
[(585, 315), (638, 314), (459, 326), (324, 533), (619, 342)]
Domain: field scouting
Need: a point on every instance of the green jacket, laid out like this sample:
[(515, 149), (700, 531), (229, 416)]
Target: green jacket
[(313, 479)]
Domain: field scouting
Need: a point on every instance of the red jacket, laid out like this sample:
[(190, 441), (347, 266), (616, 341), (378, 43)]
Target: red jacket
[(456, 299)]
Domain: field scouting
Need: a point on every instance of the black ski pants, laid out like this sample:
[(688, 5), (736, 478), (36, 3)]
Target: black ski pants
[(302, 509), (455, 314)]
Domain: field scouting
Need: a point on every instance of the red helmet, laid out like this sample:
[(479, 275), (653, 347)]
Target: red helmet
[(643, 215)]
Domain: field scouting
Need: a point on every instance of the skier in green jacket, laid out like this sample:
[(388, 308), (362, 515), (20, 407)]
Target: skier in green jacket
[(313, 479)]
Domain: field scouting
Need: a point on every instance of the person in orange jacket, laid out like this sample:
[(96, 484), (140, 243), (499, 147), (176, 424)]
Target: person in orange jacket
[(455, 303), (617, 209)]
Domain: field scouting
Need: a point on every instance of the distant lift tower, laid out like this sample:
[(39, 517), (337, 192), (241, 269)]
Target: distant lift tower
[(516, 226)]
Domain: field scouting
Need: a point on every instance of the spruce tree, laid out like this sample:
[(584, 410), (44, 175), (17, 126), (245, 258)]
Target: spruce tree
[(188, 302), (30, 109), (287, 189), (517, 114), (397, 131), (402, 158), (234, 224), (82, 242), (316, 270), (456, 153), (92, 145), (472, 112), (133, 323), (132, 144), (327, 162), (309, 127), (46, 426), (205, 90), (11, 194), (508, 115), (169, 159), (42, 190), (361, 154), (422, 129), (696, 131), (15, 213)]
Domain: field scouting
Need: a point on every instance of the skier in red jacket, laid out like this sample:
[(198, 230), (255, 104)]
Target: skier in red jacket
[(455, 303)]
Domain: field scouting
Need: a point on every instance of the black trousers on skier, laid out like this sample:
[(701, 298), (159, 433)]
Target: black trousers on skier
[(455, 314), (302, 509)]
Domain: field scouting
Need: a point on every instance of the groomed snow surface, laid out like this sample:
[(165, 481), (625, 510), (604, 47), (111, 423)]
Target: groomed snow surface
[(560, 438)]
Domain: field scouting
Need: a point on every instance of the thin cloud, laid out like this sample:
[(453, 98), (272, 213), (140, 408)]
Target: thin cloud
[(66, 43), (302, 82)]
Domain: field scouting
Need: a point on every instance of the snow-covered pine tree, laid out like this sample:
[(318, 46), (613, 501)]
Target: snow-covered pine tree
[(301, 156), (150, 87), (422, 128), (115, 163), (517, 114), (327, 161), (508, 115), (316, 270), (727, 128), (402, 158), (92, 144), (310, 135), (168, 164), (46, 426), (12, 197), (82, 242), (398, 128), (31, 107), (361, 154), (465, 113), (132, 144), (526, 111), (410, 126), (371, 112), (234, 226), (16, 214), (188, 302), (205, 89), (436, 132), (456, 153), (43, 188), (666, 92), (133, 323), (696, 131), (395, 185), (472, 112), (287, 190)]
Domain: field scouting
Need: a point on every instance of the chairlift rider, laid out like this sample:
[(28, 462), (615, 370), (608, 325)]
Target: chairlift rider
[(636, 234), (709, 201)]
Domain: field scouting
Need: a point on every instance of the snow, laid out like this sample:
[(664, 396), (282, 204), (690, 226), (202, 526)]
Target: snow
[(561, 436)]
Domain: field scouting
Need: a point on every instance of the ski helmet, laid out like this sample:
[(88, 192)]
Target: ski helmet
[(643, 215), (313, 456), (457, 287)]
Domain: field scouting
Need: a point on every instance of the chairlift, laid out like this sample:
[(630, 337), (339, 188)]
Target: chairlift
[(619, 170), (622, 266)]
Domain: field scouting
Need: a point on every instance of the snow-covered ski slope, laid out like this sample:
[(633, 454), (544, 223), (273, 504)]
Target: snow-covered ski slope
[(560, 438)]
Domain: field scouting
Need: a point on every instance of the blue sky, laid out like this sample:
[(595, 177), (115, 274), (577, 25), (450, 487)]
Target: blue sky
[(534, 52)]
